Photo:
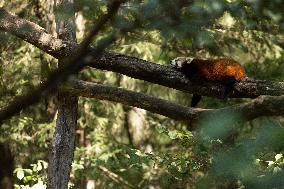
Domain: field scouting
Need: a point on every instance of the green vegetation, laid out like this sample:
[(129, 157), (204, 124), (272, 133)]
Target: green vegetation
[(124, 147)]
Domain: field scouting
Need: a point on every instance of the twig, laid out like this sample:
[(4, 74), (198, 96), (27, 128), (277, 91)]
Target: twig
[(115, 177)]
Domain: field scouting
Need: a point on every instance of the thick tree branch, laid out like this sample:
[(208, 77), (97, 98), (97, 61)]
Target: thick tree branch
[(126, 97), (169, 77), (35, 34), (135, 67), (54, 78), (262, 106), (71, 65), (131, 66)]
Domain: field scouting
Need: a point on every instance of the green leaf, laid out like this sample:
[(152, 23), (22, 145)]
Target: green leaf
[(28, 179), (39, 166), (278, 156), (161, 129), (173, 134), (20, 174)]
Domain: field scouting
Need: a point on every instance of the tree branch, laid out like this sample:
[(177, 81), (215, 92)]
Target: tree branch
[(35, 35), (262, 106), (115, 177), (72, 64), (138, 68), (131, 66), (169, 77), (130, 98)]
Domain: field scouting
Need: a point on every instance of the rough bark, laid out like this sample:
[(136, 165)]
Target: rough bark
[(169, 77), (141, 69), (63, 143), (72, 64), (261, 106), (131, 66), (140, 100), (6, 166), (35, 34)]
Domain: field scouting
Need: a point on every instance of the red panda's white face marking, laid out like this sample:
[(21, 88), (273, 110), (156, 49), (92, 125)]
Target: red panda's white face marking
[(179, 61)]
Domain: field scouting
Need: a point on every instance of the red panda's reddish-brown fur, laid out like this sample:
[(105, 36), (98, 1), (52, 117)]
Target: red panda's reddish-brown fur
[(225, 70), (220, 69), (212, 70)]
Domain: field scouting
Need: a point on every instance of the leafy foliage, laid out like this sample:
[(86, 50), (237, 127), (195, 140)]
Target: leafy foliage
[(219, 155), (32, 178)]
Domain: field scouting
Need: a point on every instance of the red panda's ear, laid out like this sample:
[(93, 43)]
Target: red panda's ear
[(189, 59), (177, 62), (173, 62)]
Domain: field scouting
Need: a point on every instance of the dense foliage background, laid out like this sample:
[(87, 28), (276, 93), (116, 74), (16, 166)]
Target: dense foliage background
[(126, 147)]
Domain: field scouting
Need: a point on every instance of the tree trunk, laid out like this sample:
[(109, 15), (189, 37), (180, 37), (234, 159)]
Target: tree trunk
[(6, 166), (63, 142)]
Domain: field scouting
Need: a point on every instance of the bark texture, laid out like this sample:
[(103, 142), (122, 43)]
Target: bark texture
[(6, 166), (35, 34), (147, 102), (261, 106), (131, 66), (140, 69), (72, 64), (63, 142)]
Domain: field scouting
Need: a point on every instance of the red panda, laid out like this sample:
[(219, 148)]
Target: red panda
[(224, 70)]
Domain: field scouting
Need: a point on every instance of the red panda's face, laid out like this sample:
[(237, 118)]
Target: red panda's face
[(180, 61)]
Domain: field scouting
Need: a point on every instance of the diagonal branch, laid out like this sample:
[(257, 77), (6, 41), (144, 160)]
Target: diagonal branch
[(35, 34), (134, 67), (262, 106), (115, 177), (72, 64), (169, 77), (50, 85), (131, 66), (131, 98)]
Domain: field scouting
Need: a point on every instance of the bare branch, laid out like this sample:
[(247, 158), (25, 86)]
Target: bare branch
[(54, 78), (169, 77), (262, 106), (126, 97), (34, 34), (73, 64), (151, 72), (115, 177), (134, 67)]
